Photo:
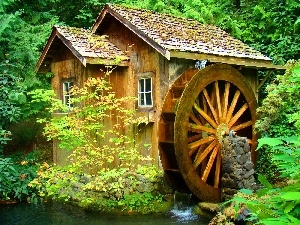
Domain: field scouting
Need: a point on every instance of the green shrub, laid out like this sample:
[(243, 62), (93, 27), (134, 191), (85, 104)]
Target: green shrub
[(279, 115), (15, 176), (90, 179), (271, 204), (116, 189)]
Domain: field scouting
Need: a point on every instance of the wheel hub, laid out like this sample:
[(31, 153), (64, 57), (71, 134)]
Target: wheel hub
[(222, 129)]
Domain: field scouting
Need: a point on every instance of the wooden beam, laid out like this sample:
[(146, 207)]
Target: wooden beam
[(46, 49), (256, 63), (265, 79), (99, 19)]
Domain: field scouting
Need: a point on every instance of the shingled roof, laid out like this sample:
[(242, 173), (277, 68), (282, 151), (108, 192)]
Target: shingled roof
[(184, 38), (86, 46)]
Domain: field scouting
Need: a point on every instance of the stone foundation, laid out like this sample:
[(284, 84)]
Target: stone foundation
[(237, 170)]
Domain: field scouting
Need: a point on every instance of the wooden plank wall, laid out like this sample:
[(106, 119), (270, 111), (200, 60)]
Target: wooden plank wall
[(143, 59), (251, 76), (124, 82)]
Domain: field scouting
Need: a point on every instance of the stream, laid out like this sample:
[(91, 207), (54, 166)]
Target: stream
[(66, 214)]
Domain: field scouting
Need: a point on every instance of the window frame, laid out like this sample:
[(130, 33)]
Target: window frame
[(144, 77), (66, 96)]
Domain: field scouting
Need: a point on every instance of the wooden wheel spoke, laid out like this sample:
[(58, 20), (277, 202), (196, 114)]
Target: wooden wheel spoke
[(210, 163), (196, 144), (218, 170), (237, 115), (194, 138), (218, 101), (232, 106), (242, 125), (206, 117), (213, 111), (199, 128), (194, 119), (226, 96), (200, 151), (201, 157), (204, 104)]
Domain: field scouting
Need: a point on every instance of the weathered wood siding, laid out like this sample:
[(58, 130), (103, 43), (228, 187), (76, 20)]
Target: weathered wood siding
[(64, 66), (252, 79), (143, 59)]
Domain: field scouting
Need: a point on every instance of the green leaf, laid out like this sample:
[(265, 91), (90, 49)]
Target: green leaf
[(291, 196), (289, 206), (264, 181), (21, 98), (262, 192), (297, 25), (246, 191), (274, 221), (268, 141), (293, 219)]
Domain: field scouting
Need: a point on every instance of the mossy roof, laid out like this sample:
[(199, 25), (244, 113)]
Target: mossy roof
[(181, 34), (89, 48), (90, 45)]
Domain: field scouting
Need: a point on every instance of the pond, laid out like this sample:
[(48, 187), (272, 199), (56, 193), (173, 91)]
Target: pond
[(65, 214)]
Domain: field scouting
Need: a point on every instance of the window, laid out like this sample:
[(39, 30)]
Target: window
[(66, 93), (145, 91)]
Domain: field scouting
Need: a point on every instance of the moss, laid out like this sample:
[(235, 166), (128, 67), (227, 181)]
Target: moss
[(104, 206)]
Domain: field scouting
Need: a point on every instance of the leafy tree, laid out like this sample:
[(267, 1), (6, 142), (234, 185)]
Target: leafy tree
[(11, 98), (86, 130), (270, 26), (281, 106)]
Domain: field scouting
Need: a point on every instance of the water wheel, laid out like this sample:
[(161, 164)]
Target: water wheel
[(199, 109)]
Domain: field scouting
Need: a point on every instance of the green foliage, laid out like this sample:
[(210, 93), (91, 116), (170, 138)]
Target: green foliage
[(15, 176), (116, 189), (15, 103), (278, 115), (86, 128), (281, 106), (22, 36), (11, 98), (260, 28), (95, 143), (279, 205), (286, 155)]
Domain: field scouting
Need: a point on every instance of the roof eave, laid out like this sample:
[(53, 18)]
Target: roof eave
[(55, 33), (248, 62), (69, 45), (84, 60), (107, 62), (99, 18), (46, 48)]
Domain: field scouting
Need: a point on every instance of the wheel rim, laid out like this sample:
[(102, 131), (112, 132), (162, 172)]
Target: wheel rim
[(216, 100)]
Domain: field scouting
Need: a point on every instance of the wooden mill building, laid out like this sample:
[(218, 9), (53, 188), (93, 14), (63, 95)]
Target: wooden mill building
[(194, 83)]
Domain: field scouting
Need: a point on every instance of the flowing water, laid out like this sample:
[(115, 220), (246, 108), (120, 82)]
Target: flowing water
[(65, 214)]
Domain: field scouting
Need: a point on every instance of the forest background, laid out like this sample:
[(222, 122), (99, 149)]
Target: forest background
[(270, 26)]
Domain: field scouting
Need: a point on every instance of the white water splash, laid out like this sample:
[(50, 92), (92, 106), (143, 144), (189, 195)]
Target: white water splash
[(183, 215), (182, 210)]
